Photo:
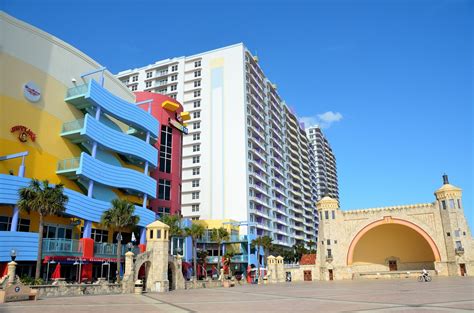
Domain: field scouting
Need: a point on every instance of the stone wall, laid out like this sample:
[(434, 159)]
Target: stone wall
[(203, 284), (67, 290)]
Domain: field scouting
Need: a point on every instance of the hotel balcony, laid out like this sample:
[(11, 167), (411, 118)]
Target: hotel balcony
[(86, 97), (60, 246), (262, 177), (234, 259), (133, 149), (87, 167)]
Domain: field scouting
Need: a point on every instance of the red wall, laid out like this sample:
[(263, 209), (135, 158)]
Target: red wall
[(162, 116)]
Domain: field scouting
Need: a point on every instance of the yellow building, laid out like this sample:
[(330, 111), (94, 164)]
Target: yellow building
[(65, 118)]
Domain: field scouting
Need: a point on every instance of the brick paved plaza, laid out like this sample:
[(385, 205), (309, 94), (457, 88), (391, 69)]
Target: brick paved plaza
[(441, 295)]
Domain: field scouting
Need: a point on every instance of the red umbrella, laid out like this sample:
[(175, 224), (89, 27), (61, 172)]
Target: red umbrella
[(57, 272), (5, 271)]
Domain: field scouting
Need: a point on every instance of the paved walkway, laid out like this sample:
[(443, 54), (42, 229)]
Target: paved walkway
[(441, 295)]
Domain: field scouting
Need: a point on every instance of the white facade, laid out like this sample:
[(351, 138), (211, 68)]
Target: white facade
[(324, 164), (237, 155)]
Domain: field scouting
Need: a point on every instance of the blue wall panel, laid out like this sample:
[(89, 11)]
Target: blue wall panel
[(79, 205), (115, 176), (121, 109), (119, 142), (25, 244)]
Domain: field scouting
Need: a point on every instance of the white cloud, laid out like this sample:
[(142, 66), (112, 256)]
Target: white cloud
[(323, 120)]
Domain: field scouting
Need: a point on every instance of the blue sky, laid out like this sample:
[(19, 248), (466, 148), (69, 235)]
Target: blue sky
[(397, 75)]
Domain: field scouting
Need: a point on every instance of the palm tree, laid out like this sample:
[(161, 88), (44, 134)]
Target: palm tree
[(174, 222), (195, 231), (267, 246), (45, 200), (311, 244), (119, 218), (219, 235)]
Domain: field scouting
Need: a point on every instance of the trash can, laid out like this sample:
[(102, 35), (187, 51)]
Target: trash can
[(138, 287)]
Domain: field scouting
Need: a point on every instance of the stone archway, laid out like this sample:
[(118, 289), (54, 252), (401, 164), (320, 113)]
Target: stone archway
[(171, 276), (392, 244)]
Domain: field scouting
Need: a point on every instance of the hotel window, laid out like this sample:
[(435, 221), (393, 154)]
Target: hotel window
[(197, 63), (443, 204), (149, 74), (333, 214), (164, 189), (196, 148), (163, 210), (174, 68), (147, 84), (6, 224), (197, 114), (197, 104), (196, 125), (459, 203), (195, 208), (165, 149), (195, 195), (126, 81), (197, 93), (197, 83), (329, 242), (197, 74), (173, 96), (451, 203), (195, 218), (134, 87), (135, 78), (57, 231), (98, 235), (196, 159), (174, 78), (163, 91), (195, 183), (329, 252), (326, 215), (196, 136), (457, 233), (196, 171), (174, 87)]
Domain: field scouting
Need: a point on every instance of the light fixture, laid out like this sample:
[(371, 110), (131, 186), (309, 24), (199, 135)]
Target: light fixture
[(75, 263), (52, 262), (106, 263), (13, 254), (129, 246), (73, 80)]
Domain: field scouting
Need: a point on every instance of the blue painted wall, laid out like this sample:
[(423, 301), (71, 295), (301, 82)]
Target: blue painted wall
[(121, 109), (25, 244), (79, 205)]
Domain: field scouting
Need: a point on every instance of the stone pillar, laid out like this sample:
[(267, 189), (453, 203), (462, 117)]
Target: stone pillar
[(11, 272), (128, 263), (272, 271), (280, 269), (157, 237)]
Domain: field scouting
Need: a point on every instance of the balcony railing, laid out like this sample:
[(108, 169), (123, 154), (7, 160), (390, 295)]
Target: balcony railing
[(73, 125), (58, 246), (68, 164)]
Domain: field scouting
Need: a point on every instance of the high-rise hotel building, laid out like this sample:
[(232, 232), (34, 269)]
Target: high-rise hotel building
[(325, 171), (246, 157)]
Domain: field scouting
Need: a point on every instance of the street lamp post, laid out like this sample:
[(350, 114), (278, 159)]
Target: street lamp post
[(13, 254), (79, 268), (47, 269)]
